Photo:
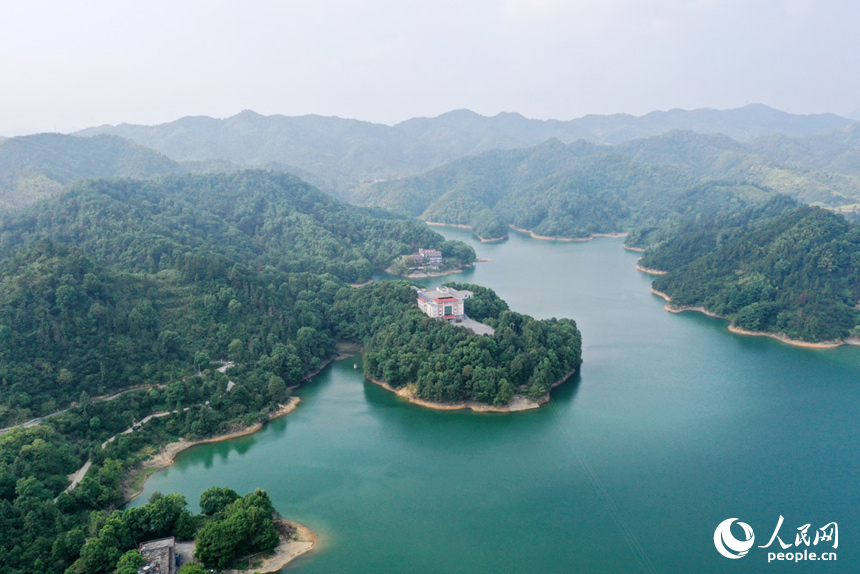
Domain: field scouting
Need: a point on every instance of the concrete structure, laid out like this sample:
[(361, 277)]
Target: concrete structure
[(443, 303), (431, 255), (160, 556), (431, 258)]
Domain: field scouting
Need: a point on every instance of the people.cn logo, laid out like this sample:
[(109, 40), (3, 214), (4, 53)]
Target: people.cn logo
[(727, 544)]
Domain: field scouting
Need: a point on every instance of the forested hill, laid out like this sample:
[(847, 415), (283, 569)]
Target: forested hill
[(779, 268), (573, 190), (762, 162), (342, 152), (71, 323), (34, 167), (257, 218), (449, 364), (836, 150)]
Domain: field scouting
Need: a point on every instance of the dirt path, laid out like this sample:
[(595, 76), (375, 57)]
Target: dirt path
[(39, 420)]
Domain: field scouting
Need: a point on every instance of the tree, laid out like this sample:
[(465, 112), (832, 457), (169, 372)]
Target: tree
[(236, 350), (244, 527), (201, 359), (169, 342), (277, 388), (505, 394), (215, 499), (130, 562)]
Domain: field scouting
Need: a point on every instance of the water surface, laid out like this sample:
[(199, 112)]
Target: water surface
[(672, 426)]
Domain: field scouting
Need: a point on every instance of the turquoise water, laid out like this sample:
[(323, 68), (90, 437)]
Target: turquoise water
[(672, 426)]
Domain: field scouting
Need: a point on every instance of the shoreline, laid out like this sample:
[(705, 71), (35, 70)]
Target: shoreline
[(166, 455), (288, 550), (785, 339), (636, 249), (344, 351), (462, 226), (591, 236), (440, 224), (423, 275), (741, 331), (650, 271), (518, 403)]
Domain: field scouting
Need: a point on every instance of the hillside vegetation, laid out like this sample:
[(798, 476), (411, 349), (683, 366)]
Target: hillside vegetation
[(37, 166), (137, 286), (449, 364), (256, 218), (779, 268), (575, 190)]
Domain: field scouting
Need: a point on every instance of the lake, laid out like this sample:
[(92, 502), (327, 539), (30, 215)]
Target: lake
[(673, 425)]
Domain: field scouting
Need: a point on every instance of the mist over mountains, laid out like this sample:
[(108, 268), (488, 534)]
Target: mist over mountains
[(37, 166), (336, 153)]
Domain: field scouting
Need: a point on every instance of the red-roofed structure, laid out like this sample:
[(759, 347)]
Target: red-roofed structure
[(443, 302)]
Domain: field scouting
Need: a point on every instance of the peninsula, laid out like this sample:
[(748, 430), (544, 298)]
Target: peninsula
[(232, 534), (782, 270), (432, 361)]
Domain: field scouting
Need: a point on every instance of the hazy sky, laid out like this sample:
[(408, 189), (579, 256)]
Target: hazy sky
[(67, 65)]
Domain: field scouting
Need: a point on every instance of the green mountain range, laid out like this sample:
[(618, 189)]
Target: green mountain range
[(339, 153), (37, 166), (574, 190)]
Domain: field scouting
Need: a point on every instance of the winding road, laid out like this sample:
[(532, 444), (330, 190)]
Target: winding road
[(78, 476)]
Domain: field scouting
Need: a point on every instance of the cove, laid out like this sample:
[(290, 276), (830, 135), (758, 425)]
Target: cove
[(672, 426)]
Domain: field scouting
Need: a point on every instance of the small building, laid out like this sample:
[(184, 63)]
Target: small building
[(426, 258), (160, 556), (443, 303), (432, 256)]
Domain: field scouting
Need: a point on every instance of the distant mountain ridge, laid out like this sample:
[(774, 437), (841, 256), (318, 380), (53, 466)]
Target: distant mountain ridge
[(338, 153), (574, 190), (36, 166)]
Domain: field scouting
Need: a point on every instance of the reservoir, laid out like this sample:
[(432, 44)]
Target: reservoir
[(673, 426)]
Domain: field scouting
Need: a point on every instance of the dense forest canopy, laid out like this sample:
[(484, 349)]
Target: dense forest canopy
[(447, 363), (256, 218), (136, 286), (779, 268), (70, 324), (167, 268)]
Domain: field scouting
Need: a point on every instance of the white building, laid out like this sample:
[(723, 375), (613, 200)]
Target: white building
[(443, 302)]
